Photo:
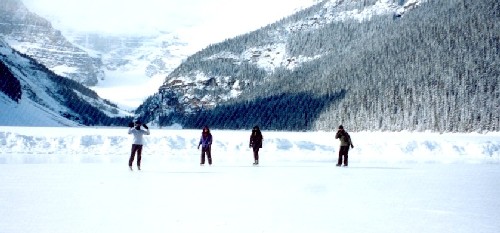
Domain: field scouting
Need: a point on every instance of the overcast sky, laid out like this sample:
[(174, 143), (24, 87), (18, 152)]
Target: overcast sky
[(219, 18)]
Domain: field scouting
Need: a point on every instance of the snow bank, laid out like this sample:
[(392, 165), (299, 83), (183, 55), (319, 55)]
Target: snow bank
[(98, 145)]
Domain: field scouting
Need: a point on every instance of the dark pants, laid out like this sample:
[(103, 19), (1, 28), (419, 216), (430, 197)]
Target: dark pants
[(343, 152), (256, 153), (135, 148), (206, 151)]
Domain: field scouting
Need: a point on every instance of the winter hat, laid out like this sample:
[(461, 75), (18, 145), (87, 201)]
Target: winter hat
[(206, 128), (341, 127)]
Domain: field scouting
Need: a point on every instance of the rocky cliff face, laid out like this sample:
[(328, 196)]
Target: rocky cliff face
[(35, 36)]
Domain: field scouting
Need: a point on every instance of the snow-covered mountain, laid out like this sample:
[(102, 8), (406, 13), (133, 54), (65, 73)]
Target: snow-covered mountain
[(33, 35), (149, 54), (137, 63), (110, 63), (133, 64), (196, 88), (372, 64), (32, 95), (90, 58)]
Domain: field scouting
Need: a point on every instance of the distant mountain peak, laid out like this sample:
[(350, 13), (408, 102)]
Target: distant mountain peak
[(33, 35)]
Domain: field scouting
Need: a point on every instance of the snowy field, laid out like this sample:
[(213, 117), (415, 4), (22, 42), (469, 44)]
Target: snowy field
[(77, 180)]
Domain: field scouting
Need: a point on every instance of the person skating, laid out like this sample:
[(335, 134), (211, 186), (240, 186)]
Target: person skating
[(256, 143), (138, 141), (345, 142), (206, 146)]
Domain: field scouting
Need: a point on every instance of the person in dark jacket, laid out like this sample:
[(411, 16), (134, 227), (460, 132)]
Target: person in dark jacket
[(345, 142), (206, 146), (256, 143), (135, 129)]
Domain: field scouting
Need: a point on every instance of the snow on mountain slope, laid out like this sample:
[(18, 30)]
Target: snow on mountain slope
[(44, 98), (33, 35), (341, 10), (28, 113), (272, 56)]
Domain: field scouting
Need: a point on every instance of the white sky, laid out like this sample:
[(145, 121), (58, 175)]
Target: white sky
[(220, 18)]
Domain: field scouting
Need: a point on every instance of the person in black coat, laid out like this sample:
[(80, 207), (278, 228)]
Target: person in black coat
[(256, 143), (345, 142)]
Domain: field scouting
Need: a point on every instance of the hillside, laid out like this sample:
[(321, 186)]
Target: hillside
[(32, 95), (370, 65)]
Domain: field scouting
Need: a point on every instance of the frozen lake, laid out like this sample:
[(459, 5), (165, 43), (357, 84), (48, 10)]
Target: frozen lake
[(276, 197), (77, 180)]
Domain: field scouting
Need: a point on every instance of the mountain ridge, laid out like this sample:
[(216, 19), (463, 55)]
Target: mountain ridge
[(270, 52), (387, 66)]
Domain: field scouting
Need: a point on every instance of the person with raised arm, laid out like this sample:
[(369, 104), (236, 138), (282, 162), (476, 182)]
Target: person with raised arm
[(138, 141), (345, 142)]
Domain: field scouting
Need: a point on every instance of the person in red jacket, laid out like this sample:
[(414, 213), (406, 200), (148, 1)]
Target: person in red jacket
[(256, 143), (345, 142)]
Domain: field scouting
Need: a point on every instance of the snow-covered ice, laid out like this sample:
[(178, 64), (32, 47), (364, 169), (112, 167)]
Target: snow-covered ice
[(65, 179)]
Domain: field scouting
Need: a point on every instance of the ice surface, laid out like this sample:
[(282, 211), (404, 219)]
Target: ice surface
[(77, 180)]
